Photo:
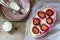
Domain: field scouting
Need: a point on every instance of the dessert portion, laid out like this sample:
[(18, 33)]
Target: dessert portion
[(19, 9), (44, 27), (35, 30), (36, 21), (49, 12), (41, 14), (42, 22), (49, 20)]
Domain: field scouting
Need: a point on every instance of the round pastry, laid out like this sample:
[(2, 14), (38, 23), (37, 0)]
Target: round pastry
[(49, 20), (49, 12), (36, 21), (44, 27), (35, 30), (41, 14)]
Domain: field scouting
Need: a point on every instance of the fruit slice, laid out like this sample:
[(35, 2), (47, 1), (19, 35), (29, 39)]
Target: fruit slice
[(44, 27), (36, 21), (41, 14), (35, 30), (49, 20), (49, 12)]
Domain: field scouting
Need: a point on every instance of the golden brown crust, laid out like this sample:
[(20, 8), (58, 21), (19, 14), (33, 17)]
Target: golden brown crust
[(35, 30), (36, 21), (44, 27), (49, 12), (41, 14), (49, 20)]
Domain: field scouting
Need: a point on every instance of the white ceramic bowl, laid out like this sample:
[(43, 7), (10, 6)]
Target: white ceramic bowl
[(7, 26)]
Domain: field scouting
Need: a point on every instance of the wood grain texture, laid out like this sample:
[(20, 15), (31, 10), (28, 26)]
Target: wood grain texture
[(18, 34)]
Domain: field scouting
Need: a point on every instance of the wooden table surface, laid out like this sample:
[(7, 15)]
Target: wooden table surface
[(18, 34)]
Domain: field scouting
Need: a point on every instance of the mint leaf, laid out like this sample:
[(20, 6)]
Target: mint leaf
[(20, 12)]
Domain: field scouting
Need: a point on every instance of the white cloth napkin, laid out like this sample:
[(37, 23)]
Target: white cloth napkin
[(54, 33)]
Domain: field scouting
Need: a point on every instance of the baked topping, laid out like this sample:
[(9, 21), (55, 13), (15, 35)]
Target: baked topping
[(49, 20), (49, 12), (44, 27), (36, 21), (41, 14), (35, 30)]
